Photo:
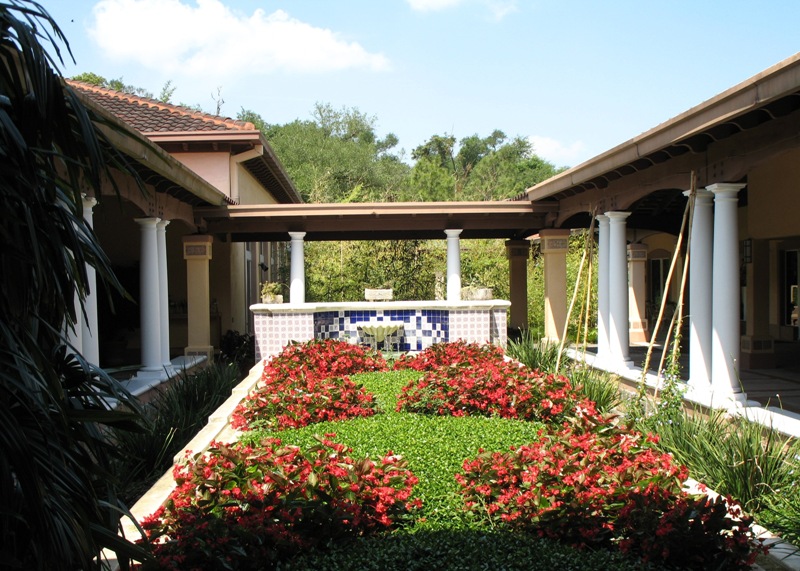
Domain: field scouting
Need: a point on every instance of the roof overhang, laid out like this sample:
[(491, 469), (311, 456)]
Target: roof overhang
[(154, 165), (718, 141), (375, 221), (264, 166)]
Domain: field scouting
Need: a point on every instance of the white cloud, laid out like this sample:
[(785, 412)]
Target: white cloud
[(432, 5), (557, 152), (499, 8), (207, 37)]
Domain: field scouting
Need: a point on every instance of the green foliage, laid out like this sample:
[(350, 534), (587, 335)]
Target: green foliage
[(60, 504), (460, 550), (577, 245), (169, 422), (336, 156), (339, 271), (733, 456), (534, 353)]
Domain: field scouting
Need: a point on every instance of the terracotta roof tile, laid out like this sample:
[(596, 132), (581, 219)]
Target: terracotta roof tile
[(151, 116)]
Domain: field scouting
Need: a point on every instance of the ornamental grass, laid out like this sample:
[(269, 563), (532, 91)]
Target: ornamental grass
[(500, 450)]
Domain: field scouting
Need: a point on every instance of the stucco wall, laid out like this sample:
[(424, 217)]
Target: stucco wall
[(213, 167), (774, 197)]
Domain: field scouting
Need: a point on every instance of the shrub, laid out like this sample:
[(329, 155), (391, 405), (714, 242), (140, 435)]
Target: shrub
[(170, 420), (486, 384), (454, 354), (603, 488), (244, 507), (307, 383), (535, 353)]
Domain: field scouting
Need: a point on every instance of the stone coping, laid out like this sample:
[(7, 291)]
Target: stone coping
[(461, 305)]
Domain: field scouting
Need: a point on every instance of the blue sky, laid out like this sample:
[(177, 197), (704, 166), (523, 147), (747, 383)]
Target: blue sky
[(576, 77)]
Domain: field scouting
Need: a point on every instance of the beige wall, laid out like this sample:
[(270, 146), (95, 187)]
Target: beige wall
[(213, 167), (774, 197), (250, 190)]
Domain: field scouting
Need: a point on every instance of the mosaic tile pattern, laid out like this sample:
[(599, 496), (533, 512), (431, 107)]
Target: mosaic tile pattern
[(421, 327), (274, 332), (472, 326)]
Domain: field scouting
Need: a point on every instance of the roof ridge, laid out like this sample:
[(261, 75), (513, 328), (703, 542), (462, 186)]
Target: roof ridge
[(170, 107)]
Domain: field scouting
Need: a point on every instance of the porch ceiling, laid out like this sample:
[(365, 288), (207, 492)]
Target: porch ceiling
[(375, 221)]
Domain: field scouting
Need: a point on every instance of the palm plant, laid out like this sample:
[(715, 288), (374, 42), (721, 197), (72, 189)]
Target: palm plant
[(59, 505)]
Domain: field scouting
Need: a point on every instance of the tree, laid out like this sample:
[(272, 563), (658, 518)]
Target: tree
[(59, 502)]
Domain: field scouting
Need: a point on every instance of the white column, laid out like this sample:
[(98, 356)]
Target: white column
[(163, 294), (700, 298), (453, 265), (89, 339), (602, 287), (297, 285), (618, 336), (149, 304), (726, 390)]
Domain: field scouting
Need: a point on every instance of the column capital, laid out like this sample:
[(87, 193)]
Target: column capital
[(725, 188), (518, 249), (637, 252), (601, 218), (700, 195), (554, 240), (453, 232), (88, 201), (162, 224), (197, 247), (617, 216), (150, 221), (297, 235)]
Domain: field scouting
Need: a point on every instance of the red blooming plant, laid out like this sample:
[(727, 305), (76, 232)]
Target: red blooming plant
[(607, 488), (454, 354), (324, 358), (240, 507), (307, 383), (488, 385)]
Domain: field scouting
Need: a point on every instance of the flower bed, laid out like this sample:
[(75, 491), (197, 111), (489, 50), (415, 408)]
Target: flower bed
[(308, 383), (608, 488), (468, 379), (243, 507), (585, 481)]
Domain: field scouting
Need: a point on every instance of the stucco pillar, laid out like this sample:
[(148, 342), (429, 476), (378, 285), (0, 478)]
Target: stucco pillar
[(297, 282), (727, 391), (758, 347), (197, 253), (555, 245), (453, 265), (163, 293), (517, 252), (618, 338), (90, 342), (637, 263), (602, 287), (700, 283), (149, 302)]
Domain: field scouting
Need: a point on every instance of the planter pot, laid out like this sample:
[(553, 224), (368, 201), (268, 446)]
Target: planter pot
[(277, 298), (377, 294), (476, 293)]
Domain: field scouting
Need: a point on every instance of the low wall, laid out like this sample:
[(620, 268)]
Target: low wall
[(423, 323)]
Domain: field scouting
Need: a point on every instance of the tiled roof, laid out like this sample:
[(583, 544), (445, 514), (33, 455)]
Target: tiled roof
[(152, 116)]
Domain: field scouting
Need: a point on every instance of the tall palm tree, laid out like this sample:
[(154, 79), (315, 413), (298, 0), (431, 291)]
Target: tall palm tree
[(58, 506)]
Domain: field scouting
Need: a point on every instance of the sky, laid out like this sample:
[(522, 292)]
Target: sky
[(574, 77)]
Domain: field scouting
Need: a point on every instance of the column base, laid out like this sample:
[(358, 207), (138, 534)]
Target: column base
[(638, 333), (200, 350), (757, 352)]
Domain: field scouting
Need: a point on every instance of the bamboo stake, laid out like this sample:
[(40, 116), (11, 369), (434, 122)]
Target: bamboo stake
[(646, 364), (572, 303)]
